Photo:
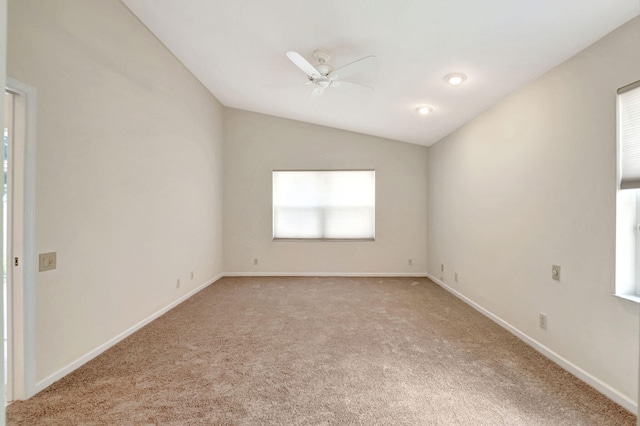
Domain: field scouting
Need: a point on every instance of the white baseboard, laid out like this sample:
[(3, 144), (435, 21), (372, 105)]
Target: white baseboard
[(43, 384), (326, 274), (581, 374)]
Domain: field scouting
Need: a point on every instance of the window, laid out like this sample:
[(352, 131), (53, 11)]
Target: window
[(628, 199), (324, 205)]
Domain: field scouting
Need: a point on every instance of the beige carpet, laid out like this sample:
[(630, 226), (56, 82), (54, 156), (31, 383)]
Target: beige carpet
[(320, 351)]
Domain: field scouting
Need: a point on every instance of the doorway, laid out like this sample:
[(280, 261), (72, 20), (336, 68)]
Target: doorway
[(7, 276), (19, 240)]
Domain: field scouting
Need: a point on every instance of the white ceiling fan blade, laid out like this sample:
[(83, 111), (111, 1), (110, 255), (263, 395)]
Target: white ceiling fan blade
[(354, 67), (350, 84), (303, 64)]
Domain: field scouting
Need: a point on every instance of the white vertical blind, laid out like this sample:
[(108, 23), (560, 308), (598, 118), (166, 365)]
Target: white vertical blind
[(629, 135), (324, 204)]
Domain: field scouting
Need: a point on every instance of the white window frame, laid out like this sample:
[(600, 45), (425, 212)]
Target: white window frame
[(321, 209), (627, 278)]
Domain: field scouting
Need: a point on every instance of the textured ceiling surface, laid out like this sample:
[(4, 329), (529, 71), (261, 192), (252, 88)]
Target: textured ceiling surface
[(237, 50)]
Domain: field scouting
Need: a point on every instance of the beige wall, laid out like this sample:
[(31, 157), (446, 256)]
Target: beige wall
[(531, 183), (129, 150), (257, 144)]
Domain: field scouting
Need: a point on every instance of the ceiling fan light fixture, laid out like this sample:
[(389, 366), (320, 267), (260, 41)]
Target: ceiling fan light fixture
[(424, 110), (455, 78), (323, 82)]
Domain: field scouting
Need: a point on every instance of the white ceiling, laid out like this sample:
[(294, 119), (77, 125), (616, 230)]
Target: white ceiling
[(237, 50)]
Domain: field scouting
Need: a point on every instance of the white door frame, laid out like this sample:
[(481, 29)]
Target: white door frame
[(22, 297), (10, 279)]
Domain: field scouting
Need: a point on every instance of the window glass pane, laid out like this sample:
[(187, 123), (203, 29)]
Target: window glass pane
[(324, 204), (297, 222), (349, 222), (629, 138)]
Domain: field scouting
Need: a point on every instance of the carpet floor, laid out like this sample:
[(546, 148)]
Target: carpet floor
[(320, 351)]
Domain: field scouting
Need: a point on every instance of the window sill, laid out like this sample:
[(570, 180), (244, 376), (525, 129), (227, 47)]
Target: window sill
[(630, 297)]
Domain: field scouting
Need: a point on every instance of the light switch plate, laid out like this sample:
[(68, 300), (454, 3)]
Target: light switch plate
[(47, 261)]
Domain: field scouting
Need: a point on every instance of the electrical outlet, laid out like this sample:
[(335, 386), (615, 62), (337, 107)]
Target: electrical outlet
[(442, 267), (555, 272), (409, 262), (255, 261), (455, 277), (542, 320), (178, 283)]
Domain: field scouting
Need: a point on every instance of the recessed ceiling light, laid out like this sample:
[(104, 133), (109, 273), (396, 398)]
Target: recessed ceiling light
[(455, 78), (424, 110)]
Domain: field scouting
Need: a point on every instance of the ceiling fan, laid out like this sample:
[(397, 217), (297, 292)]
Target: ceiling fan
[(322, 75)]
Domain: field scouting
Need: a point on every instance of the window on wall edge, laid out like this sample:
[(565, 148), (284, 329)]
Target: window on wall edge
[(324, 205), (627, 279)]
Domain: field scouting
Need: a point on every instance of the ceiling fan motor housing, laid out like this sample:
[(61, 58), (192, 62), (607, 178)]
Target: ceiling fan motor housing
[(324, 69), (323, 56)]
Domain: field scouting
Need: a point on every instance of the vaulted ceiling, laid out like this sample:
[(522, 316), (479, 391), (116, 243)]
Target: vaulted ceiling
[(237, 50)]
